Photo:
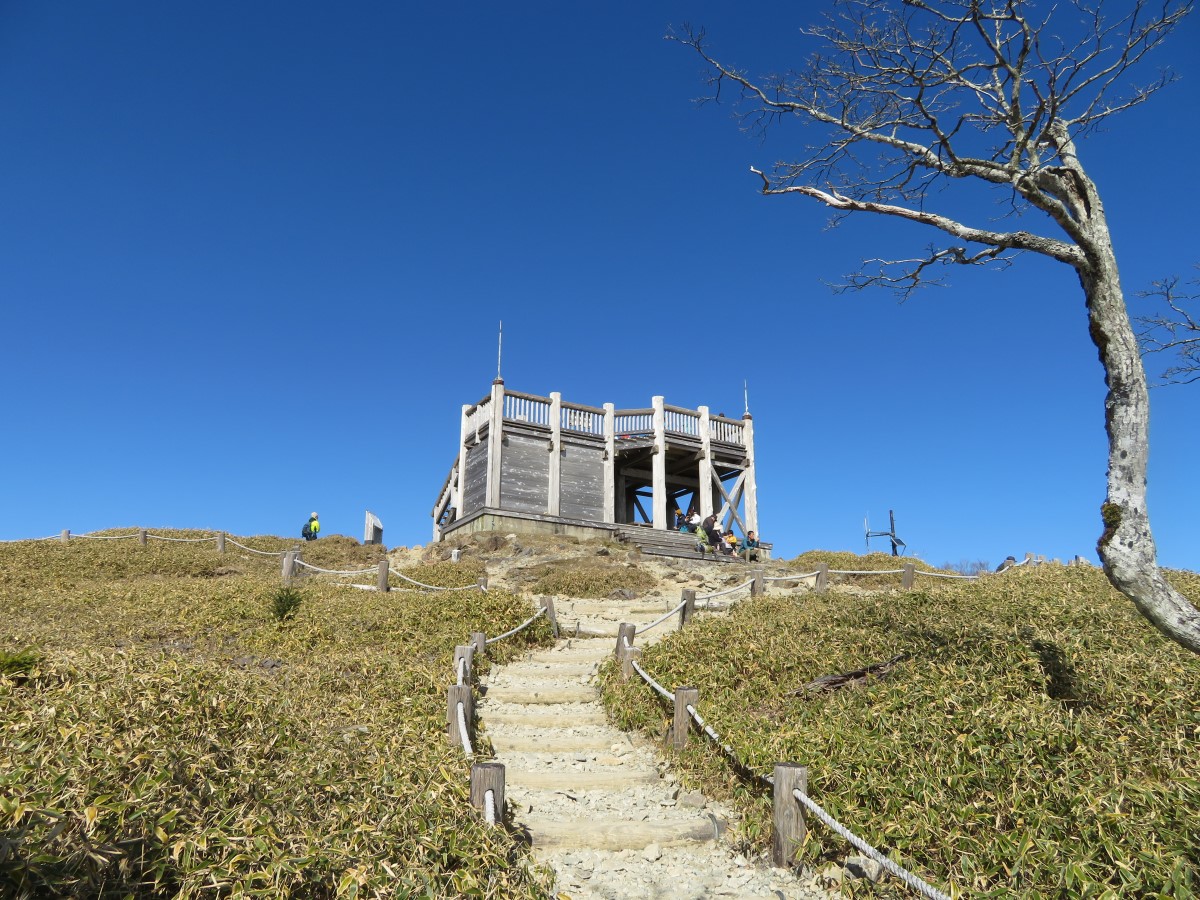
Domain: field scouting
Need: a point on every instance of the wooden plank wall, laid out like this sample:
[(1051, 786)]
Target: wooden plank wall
[(524, 473), (475, 482), (581, 494)]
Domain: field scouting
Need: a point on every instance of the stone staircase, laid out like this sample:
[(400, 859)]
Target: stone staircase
[(599, 805)]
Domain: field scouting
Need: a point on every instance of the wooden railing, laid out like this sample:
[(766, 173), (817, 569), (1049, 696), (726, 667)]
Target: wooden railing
[(633, 421), (526, 408), (682, 421), (584, 419), (727, 430), (478, 415)]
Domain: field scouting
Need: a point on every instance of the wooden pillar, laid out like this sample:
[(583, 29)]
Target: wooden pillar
[(381, 582), (65, 537), (465, 652), (632, 655), (221, 542), (610, 464), (495, 447), (555, 486), (705, 472), (689, 607), (759, 584), (482, 582), (822, 578), (906, 579), (479, 641), (488, 777), (142, 536), (626, 631), (455, 694), (622, 511), (658, 465), (289, 566), (790, 829), (680, 726), (750, 497), (547, 603)]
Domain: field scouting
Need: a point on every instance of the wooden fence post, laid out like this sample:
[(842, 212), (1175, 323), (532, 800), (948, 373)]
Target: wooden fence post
[(488, 777), (381, 583), (680, 725), (626, 631), (758, 585), (465, 652), (822, 578), (456, 694), (482, 583), (689, 607), (479, 641), (142, 536), (547, 603), (906, 580), (289, 566), (789, 814), (455, 555), (628, 658), (65, 537), (221, 542)]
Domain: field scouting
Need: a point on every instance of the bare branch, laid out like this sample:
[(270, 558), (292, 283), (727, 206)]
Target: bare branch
[(1176, 332)]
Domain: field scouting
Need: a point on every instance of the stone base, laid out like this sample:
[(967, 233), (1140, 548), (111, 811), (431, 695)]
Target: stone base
[(527, 523)]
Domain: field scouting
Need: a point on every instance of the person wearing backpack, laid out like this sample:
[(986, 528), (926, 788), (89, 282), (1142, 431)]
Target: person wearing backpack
[(312, 528)]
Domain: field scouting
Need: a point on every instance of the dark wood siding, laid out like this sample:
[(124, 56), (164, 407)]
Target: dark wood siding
[(582, 483), (525, 474), (475, 483)]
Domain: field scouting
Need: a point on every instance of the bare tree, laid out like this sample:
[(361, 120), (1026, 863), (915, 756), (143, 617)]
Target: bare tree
[(1176, 332), (929, 94)]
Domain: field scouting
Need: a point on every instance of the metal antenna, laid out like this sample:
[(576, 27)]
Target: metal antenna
[(499, 349), (746, 390)]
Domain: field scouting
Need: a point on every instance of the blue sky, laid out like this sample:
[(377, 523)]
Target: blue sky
[(253, 258)]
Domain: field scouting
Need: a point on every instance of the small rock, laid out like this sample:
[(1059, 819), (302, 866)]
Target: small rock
[(863, 867), (739, 860), (622, 594), (652, 852), (692, 800), (603, 551)]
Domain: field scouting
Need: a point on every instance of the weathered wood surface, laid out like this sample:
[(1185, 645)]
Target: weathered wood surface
[(524, 474), (475, 483), (581, 482)]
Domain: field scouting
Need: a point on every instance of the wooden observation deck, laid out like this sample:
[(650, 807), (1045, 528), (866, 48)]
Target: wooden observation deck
[(529, 463)]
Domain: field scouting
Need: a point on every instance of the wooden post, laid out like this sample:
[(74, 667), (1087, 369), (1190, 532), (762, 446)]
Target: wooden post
[(658, 465), (289, 566), (906, 580), (456, 555), (789, 814), (381, 583), (221, 542), (758, 585), (495, 445), (465, 652), (488, 777), (689, 607), (684, 696), (554, 488), (610, 464), (65, 537), (142, 536), (626, 631), (822, 578), (479, 641), (751, 494), (547, 603), (704, 474), (482, 582), (456, 694), (632, 655)]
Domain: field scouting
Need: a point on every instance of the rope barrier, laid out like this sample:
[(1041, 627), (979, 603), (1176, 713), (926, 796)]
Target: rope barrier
[(943, 575), (301, 562), (104, 537), (53, 537), (156, 537), (866, 571), (513, 631), (650, 681), (462, 670), (462, 730), (252, 550), (662, 619), (736, 587), (434, 587), (792, 577), (904, 875), (489, 806)]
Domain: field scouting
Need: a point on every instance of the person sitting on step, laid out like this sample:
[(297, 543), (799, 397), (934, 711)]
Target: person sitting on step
[(750, 547)]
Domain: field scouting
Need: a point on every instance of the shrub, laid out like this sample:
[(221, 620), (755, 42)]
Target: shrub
[(285, 602)]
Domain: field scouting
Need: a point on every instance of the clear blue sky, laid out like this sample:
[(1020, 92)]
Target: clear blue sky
[(253, 257)]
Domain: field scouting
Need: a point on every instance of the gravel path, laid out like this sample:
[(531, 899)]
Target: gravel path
[(601, 807)]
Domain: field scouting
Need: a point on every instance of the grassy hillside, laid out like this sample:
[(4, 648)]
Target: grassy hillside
[(165, 734), (1040, 740)]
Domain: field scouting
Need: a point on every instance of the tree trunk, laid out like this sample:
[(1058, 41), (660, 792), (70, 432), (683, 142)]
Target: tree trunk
[(1127, 547)]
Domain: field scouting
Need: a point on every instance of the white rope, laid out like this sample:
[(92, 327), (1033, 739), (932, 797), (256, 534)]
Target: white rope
[(434, 587), (736, 587), (104, 537), (907, 877), (301, 562), (792, 577), (462, 730), (156, 537), (662, 619), (865, 571), (462, 670), (650, 681), (252, 550), (489, 806), (711, 732), (943, 575), (53, 537), (513, 631)]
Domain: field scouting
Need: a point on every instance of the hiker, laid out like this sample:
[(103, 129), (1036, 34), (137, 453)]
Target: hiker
[(312, 528), (750, 547), (731, 543), (694, 521), (681, 522), (713, 531), (702, 544)]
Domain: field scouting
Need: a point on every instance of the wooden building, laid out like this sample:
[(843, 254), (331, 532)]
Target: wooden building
[(529, 463)]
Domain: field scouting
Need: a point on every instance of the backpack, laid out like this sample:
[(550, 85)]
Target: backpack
[(306, 531)]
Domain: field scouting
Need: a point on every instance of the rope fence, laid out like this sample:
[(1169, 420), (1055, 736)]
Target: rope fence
[(661, 618)]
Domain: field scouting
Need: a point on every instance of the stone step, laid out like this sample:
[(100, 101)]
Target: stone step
[(557, 669), (616, 834), (608, 778), (547, 717), (551, 693), (533, 740)]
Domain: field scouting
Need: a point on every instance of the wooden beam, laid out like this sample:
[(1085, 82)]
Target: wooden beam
[(704, 470), (658, 465), (610, 465), (730, 505), (495, 444), (751, 481), (555, 480)]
